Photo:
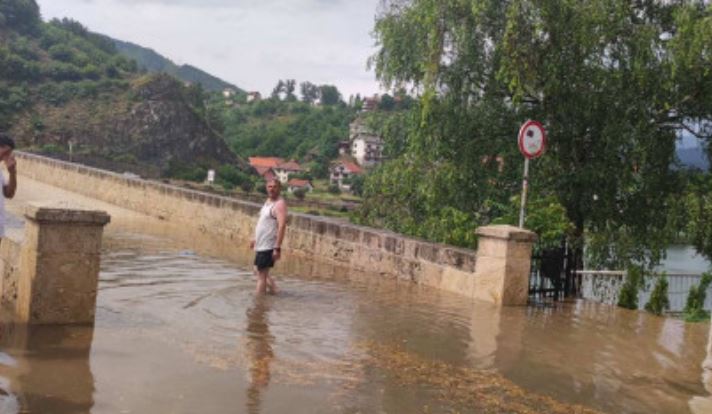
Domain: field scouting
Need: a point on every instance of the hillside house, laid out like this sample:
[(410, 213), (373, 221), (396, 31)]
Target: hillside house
[(341, 171), (282, 170), (366, 146), (295, 184), (274, 167), (370, 104), (254, 97)]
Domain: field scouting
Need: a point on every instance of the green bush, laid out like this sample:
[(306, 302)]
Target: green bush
[(334, 189), (300, 193), (125, 158), (694, 308), (52, 149), (232, 175), (628, 297), (659, 301), (183, 172), (247, 186)]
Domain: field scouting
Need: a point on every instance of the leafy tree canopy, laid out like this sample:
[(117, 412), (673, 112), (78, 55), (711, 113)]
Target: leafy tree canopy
[(613, 82)]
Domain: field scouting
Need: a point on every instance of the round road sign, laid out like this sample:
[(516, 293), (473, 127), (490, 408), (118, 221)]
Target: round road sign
[(532, 139)]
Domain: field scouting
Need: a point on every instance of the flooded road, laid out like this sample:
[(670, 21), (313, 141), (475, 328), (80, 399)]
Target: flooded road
[(181, 332), (178, 330)]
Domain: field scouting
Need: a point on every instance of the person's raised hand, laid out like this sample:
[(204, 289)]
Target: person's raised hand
[(11, 163)]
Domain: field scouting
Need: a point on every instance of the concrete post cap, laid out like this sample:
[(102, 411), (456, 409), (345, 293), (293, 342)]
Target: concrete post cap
[(507, 232), (63, 213)]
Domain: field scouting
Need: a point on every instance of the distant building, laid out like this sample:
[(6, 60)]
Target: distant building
[(283, 170), (229, 93), (295, 184), (344, 147), (274, 167), (254, 97), (370, 104), (342, 170), (365, 146)]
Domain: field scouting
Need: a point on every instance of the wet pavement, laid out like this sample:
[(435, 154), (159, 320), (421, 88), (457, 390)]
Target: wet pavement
[(179, 330)]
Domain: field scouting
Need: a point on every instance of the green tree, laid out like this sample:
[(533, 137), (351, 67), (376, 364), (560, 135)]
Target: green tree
[(21, 15), (309, 92), (329, 95), (278, 90), (612, 81), (659, 301), (628, 296), (388, 103), (290, 85), (695, 306)]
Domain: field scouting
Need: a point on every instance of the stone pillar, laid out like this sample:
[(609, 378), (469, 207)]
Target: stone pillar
[(503, 264), (59, 265)]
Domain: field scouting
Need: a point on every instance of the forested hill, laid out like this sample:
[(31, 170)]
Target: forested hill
[(61, 84), (154, 62)]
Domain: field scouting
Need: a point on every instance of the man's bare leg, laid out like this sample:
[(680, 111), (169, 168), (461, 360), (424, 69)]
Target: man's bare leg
[(261, 281), (270, 283)]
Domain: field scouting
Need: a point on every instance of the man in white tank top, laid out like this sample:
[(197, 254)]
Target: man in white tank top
[(269, 234)]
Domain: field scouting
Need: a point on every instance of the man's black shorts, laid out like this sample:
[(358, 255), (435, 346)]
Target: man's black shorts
[(264, 260)]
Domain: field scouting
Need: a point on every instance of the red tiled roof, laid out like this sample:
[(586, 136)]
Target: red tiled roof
[(289, 166), (267, 173), (268, 162), (297, 182), (262, 170), (351, 167)]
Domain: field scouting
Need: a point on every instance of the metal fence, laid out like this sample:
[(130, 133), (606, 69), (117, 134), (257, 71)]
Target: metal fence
[(604, 285)]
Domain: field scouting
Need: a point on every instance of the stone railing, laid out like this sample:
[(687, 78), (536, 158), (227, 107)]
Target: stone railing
[(51, 275), (322, 239)]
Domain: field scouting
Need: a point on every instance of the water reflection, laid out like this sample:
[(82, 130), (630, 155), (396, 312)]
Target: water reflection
[(703, 404), (172, 309), (46, 369), (259, 348)]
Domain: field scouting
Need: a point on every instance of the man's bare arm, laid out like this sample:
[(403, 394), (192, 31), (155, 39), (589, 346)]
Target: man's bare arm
[(280, 210)]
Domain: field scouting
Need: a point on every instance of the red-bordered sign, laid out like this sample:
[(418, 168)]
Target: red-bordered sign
[(532, 139)]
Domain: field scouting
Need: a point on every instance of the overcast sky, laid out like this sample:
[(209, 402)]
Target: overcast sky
[(251, 43)]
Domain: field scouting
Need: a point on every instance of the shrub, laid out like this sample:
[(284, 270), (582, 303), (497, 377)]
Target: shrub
[(694, 308), (62, 52), (628, 297), (247, 186), (300, 193), (182, 172), (659, 301), (52, 149), (231, 174), (334, 189)]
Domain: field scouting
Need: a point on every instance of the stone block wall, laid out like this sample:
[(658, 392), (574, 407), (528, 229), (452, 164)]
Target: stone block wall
[(9, 271), (321, 239), (52, 275)]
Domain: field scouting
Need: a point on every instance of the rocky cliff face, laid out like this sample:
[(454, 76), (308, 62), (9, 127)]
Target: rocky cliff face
[(152, 128)]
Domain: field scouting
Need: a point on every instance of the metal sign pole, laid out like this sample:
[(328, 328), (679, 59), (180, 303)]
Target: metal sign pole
[(525, 186)]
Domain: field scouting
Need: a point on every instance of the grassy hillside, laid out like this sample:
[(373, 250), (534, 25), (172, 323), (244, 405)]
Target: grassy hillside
[(154, 62), (62, 85)]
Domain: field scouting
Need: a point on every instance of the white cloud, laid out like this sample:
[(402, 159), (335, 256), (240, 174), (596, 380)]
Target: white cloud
[(251, 43)]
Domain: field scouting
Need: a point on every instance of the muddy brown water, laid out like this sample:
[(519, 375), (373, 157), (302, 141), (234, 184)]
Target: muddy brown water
[(178, 330)]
